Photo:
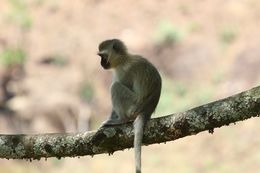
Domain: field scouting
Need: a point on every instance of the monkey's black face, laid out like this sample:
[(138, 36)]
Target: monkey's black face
[(104, 61)]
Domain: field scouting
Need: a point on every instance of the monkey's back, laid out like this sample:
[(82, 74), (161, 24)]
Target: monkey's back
[(146, 84)]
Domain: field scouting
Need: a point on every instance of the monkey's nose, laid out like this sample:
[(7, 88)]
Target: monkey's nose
[(103, 56)]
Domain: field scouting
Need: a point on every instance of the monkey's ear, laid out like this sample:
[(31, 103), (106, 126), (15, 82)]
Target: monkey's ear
[(119, 47)]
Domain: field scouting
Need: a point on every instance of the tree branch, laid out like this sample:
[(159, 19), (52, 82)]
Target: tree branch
[(107, 140)]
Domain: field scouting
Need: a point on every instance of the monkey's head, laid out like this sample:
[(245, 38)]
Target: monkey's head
[(112, 53)]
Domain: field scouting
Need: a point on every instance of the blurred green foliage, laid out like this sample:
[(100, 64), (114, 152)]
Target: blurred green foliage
[(86, 92), (194, 27), (178, 96), (173, 97), (167, 32), (57, 162), (218, 77), (180, 89), (202, 95), (19, 13), (227, 35), (12, 56)]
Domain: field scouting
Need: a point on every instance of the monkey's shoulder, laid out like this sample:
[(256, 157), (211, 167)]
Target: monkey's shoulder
[(138, 69), (141, 66)]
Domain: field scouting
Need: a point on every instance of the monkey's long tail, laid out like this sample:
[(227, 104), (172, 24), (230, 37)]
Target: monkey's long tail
[(139, 124)]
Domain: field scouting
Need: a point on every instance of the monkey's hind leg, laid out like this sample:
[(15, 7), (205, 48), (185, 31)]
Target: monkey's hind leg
[(122, 99)]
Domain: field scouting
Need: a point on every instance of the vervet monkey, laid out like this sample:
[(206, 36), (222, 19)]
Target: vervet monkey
[(135, 90)]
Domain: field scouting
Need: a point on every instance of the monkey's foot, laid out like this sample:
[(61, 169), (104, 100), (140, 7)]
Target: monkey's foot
[(113, 122)]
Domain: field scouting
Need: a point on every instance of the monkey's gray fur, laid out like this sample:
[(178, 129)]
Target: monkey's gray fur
[(135, 90)]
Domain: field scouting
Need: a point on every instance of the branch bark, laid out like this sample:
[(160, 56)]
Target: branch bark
[(107, 140)]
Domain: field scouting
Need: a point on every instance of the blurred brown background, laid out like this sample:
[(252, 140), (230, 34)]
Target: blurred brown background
[(51, 79)]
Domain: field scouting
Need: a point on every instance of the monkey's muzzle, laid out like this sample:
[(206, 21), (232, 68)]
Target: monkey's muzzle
[(104, 61)]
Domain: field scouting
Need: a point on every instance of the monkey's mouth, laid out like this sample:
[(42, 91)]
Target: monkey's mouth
[(104, 62)]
